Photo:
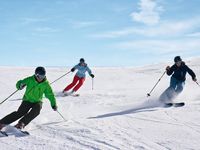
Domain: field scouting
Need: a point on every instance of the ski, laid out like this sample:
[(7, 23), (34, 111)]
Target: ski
[(25, 132), (61, 94), (19, 131), (74, 95), (11, 130), (180, 104), (3, 133), (166, 105)]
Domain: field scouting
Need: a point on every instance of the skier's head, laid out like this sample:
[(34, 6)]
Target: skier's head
[(82, 60), (40, 73), (178, 60)]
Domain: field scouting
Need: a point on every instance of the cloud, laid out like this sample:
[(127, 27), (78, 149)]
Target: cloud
[(149, 12), (46, 29), (83, 24), (161, 46), (164, 29), (195, 34), (30, 20)]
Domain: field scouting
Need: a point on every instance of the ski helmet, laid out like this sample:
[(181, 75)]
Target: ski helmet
[(40, 72), (177, 58), (82, 60)]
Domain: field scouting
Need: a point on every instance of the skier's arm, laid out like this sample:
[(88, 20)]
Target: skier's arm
[(170, 70), (22, 83), (50, 95), (74, 68), (192, 74), (89, 72)]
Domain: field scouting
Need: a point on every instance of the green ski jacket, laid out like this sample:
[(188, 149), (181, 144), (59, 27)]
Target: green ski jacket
[(35, 90)]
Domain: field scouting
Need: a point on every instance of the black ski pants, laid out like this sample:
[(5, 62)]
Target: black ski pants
[(27, 112)]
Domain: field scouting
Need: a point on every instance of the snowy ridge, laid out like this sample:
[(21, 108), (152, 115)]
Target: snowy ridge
[(116, 115)]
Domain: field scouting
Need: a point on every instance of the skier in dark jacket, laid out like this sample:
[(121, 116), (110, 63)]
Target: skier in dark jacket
[(36, 86), (178, 72)]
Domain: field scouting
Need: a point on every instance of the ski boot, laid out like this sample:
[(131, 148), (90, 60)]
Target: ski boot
[(2, 126), (66, 93), (20, 125)]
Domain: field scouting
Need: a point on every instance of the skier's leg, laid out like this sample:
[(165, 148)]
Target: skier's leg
[(168, 94), (164, 97), (35, 111), (171, 93), (80, 83), (179, 87), (22, 110), (75, 80), (173, 83)]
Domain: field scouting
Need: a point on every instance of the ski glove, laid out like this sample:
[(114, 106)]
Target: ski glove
[(73, 69), (54, 108), (92, 75), (21, 86), (194, 79), (168, 68)]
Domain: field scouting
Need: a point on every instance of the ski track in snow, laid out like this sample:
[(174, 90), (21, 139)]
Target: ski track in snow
[(116, 115)]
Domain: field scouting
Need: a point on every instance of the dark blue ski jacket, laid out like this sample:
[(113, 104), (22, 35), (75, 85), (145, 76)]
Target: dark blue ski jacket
[(179, 73)]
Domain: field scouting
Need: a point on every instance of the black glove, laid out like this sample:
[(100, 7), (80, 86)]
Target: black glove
[(73, 69), (92, 75), (55, 108), (194, 79), (21, 86), (167, 68)]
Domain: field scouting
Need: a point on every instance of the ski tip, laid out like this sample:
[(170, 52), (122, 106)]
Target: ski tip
[(25, 132), (76, 95), (179, 104)]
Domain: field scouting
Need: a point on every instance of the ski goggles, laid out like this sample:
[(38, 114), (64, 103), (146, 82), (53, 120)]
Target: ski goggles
[(39, 76)]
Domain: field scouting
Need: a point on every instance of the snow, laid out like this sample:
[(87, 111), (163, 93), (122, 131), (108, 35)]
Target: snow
[(116, 115)]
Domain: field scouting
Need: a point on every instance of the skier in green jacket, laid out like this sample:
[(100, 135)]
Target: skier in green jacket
[(36, 86)]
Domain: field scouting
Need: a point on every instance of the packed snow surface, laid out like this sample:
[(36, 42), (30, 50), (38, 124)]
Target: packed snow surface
[(115, 115)]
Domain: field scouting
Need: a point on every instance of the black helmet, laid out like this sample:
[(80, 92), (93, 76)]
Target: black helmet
[(82, 60), (177, 58), (40, 71)]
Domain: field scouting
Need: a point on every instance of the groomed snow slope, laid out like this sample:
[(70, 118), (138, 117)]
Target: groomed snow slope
[(116, 115)]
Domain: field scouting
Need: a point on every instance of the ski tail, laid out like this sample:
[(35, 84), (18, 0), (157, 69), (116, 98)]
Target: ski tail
[(3, 133)]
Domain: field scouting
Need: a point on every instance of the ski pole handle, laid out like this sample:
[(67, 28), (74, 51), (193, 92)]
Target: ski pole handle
[(9, 96)]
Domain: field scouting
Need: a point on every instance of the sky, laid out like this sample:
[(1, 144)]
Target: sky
[(104, 32)]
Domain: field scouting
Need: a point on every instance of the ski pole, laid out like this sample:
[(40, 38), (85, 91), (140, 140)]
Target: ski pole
[(197, 83), (60, 77), (92, 83), (149, 94), (61, 115), (9, 97)]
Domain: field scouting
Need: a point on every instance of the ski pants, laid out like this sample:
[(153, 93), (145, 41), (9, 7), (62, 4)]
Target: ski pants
[(76, 80), (175, 88), (27, 112)]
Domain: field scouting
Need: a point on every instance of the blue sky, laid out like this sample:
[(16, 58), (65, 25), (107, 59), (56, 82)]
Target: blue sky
[(104, 32)]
